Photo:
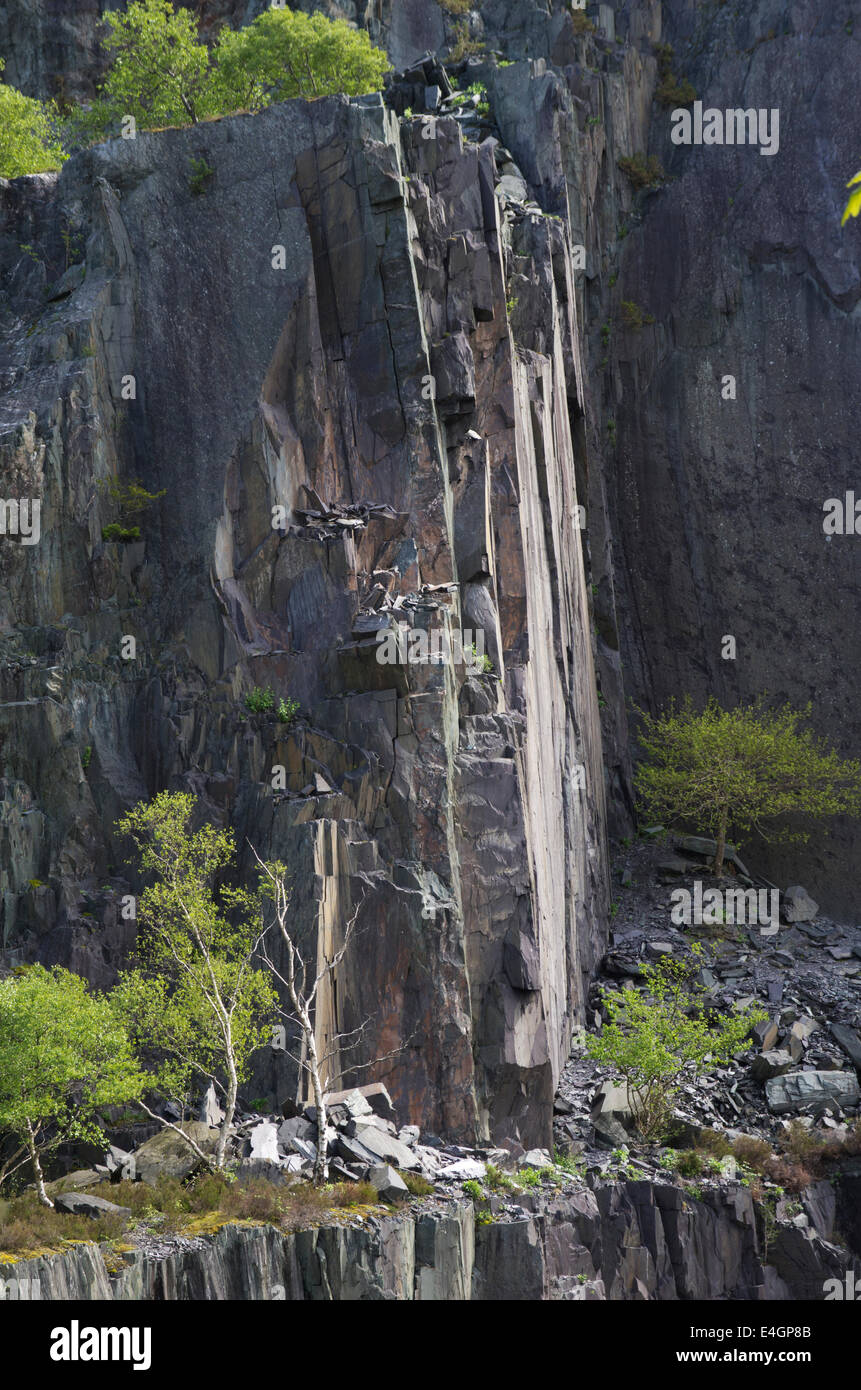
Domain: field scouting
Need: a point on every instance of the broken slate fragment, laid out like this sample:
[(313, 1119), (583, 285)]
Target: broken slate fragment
[(805, 1090), (849, 1041)]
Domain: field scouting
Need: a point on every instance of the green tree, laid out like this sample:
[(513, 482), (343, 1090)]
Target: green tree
[(160, 71), (285, 54), (64, 1054), (657, 1036), (29, 141), (741, 769), (197, 1005)]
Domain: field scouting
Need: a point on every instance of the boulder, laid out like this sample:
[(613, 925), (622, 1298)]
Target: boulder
[(464, 1170), (765, 1034), (372, 1099), (168, 1155), (612, 1115), (385, 1147), (86, 1204), (772, 1063), (82, 1177), (811, 1090), (797, 905), (535, 1158), (389, 1184)]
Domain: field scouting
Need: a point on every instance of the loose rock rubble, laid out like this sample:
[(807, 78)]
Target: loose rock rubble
[(806, 973)]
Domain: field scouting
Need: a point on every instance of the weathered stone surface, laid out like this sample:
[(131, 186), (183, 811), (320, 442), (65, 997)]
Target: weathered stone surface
[(398, 799), (811, 1090), (626, 1241), (389, 1184), (167, 1153), (797, 905), (849, 1041), (88, 1204), (771, 1062)]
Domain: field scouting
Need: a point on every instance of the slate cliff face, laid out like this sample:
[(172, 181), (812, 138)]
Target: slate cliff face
[(446, 808), (432, 361)]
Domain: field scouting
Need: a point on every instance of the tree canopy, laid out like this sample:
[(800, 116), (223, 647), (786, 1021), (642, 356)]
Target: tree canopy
[(742, 768), (64, 1054), (29, 140), (162, 73)]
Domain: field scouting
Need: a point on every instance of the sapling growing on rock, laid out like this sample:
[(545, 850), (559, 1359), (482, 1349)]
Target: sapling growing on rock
[(657, 1036)]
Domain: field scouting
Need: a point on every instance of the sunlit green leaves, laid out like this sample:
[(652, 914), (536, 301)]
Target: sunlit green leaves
[(29, 142), (853, 207), (753, 763)]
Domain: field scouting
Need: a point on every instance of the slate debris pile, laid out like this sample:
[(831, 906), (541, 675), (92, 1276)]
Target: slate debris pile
[(801, 1065)]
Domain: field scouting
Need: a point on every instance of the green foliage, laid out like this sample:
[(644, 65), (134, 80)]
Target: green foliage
[(260, 701), (287, 710), (581, 23), (162, 73), (643, 171), (741, 768), (463, 45), (456, 6), (198, 1007), (198, 179), (64, 1054), (130, 496), (496, 1180), (474, 1190), (416, 1185), (671, 90), (633, 317), (853, 207), (530, 1177), (285, 53), (124, 534), (657, 1035), (481, 660), (29, 140), (86, 756)]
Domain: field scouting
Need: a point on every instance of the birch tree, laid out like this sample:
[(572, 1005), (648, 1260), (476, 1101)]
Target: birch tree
[(198, 1005)]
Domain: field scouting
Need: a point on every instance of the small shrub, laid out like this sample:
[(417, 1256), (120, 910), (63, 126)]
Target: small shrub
[(198, 179), (656, 1036), (643, 171), (123, 535), (711, 1141), (416, 1184), (260, 701), (287, 710), (456, 6), (633, 317), (496, 1180), (671, 91), (129, 495), (86, 756), (581, 23), (689, 1163), (530, 1177), (474, 1189), (753, 1153), (463, 45)]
